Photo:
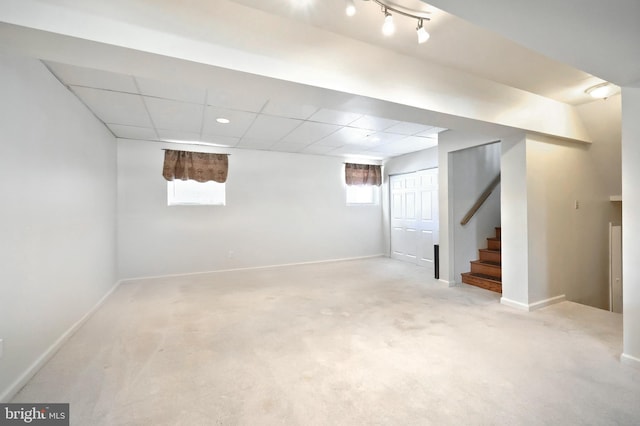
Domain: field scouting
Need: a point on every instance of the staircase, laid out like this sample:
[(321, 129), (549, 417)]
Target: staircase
[(487, 271)]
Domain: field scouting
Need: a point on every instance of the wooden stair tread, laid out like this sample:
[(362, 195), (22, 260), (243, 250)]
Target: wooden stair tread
[(486, 262), (486, 268), (481, 281), (484, 277)]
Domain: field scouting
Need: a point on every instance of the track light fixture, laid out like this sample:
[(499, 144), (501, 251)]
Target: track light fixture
[(388, 27)]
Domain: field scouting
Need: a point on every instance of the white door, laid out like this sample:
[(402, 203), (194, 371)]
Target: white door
[(414, 216), (427, 215), (403, 217)]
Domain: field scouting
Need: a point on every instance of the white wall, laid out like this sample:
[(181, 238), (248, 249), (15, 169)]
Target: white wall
[(57, 221), (473, 169), (421, 160), (603, 120), (281, 208), (567, 248), (448, 143), (515, 231), (631, 223), (575, 242)]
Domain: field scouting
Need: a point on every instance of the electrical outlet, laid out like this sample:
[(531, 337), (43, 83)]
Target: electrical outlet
[(577, 204)]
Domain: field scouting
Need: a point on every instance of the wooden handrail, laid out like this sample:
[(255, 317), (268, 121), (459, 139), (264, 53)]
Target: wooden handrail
[(481, 200)]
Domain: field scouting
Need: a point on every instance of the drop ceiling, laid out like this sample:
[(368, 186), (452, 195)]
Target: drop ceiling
[(134, 107)]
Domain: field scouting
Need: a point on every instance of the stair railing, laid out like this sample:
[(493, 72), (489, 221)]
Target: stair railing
[(483, 197)]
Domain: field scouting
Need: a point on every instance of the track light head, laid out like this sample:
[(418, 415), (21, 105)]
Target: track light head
[(388, 28), (351, 8), (423, 35)]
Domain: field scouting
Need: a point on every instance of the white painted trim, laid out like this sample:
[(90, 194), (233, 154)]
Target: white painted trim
[(449, 283), (21, 381), (533, 306), (630, 360), (514, 304), (547, 302), (249, 268)]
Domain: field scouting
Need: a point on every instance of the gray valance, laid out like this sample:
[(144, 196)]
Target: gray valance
[(363, 174), (198, 166)]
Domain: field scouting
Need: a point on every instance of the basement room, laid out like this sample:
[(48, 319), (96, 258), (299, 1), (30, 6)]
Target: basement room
[(311, 212)]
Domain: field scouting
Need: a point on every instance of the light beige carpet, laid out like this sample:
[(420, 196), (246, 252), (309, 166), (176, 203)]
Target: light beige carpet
[(366, 342)]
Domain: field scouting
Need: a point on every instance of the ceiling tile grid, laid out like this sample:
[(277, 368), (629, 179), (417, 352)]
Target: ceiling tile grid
[(134, 107)]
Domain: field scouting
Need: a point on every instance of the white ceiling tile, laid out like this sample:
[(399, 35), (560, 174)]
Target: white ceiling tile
[(239, 122), (383, 137), (174, 115), (255, 143), (405, 128), (177, 135), (133, 132), (173, 91), (271, 128), (344, 136), (432, 131), (309, 132), (115, 107), (220, 140), (406, 145), (358, 154), (390, 150), (235, 99), (345, 150), (286, 147), (318, 149), (98, 79), (331, 116), (425, 142), (289, 110), (374, 123)]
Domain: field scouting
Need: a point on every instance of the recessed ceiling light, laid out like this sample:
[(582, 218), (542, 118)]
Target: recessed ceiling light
[(222, 120)]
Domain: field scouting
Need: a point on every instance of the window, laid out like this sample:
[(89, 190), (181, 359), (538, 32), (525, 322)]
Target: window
[(363, 194), (192, 193)]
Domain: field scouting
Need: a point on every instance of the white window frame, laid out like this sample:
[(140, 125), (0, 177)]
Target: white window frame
[(193, 193), (356, 195)]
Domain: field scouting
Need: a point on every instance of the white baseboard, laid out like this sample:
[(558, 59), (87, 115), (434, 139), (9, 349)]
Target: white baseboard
[(248, 268), (533, 306), (547, 302), (21, 381), (630, 360), (514, 304)]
